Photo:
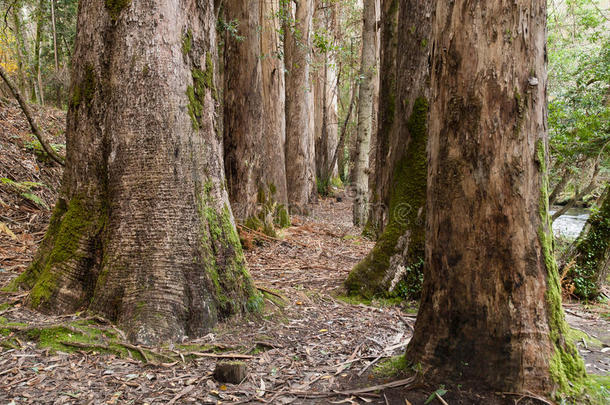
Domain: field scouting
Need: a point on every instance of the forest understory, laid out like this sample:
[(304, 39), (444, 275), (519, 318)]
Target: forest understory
[(309, 345)]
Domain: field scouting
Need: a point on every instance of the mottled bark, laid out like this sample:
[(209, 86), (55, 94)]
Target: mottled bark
[(21, 50), (142, 232), (395, 265), (490, 315), (365, 115), (274, 124), (243, 107), (591, 264), (300, 156)]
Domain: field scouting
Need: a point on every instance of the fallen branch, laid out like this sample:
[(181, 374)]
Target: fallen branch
[(28, 114), (220, 355)]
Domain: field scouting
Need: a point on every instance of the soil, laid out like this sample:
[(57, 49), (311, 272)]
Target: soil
[(308, 346)]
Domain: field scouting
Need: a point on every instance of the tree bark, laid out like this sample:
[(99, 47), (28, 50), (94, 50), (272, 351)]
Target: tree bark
[(300, 156), (37, 41), (365, 114), (490, 315), (21, 50), (325, 94), (56, 56), (243, 108), (142, 232), (380, 181), (394, 266), (274, 123), (592, 253)]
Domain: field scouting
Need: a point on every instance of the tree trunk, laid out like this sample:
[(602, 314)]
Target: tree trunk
[(365, 114), (300, 157), (274, 124), (21, 50), (395, 264), (56, 56), (243, 108), (592, 253), (37, 41), (490, 315), (380, 180), (142, 232), (325, 93)]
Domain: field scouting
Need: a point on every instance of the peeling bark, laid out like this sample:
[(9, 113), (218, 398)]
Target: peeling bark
[(490, 315)]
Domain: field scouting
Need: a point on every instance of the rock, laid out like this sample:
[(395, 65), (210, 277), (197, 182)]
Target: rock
[(232, 372)]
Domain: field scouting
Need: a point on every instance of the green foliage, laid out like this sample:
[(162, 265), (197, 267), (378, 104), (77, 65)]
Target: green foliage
[(579, 84), (592, 252), (24, 190)]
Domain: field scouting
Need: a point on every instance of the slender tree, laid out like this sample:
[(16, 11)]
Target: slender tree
[(490, 314), (365, 114), (142, 232), (300, 156), (394, 266)]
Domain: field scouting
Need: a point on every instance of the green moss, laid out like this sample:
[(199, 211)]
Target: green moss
[(203, 80), (115, 7), (223, 260), (406, 203), (283, 218), (70, 225), (391, 367), (566, 367), (187, 42)]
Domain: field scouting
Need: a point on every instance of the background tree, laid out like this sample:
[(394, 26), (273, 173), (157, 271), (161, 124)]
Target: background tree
[(365, 113), (394, 266), (300, 154), (142, 232), (274, 118), (490, 313), (325, 84), (243, 107)]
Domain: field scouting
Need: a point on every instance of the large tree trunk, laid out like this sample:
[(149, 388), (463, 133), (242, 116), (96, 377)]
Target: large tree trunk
[(490, 314), (592, 252), (243, 107), (274, 123), (365, 114), (394, 266), (142, 232), (300, 156)]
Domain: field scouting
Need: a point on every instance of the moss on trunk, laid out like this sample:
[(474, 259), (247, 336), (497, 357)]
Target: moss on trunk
[(394, 266)]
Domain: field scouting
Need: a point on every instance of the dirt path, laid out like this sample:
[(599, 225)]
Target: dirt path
[(306, 342)]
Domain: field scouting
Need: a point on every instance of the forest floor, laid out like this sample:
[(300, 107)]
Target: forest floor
[(310, 345)]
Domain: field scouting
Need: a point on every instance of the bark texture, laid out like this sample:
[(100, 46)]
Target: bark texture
[(395, 265), (274, 123), (300, 154), (490, 314), (365, 114), (243, 107), (592, 253), (379, 181), (142, 232)]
